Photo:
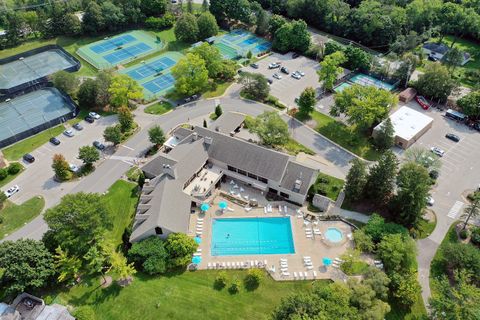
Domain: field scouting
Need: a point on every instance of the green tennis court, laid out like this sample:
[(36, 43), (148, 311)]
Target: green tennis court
[(125, 47), (227, 51)]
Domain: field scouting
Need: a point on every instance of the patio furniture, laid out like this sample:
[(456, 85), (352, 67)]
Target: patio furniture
[(295, 275), (230, 209), (265, 210), (232, 182), (286, 274), (283, 269), (314, 274), (209, 265), (280, 209), (307, 257), (199, 219), (265, 263), (283, 259), (309, 267), (309, 236), (241, 189), (248, 209), (285, 208)]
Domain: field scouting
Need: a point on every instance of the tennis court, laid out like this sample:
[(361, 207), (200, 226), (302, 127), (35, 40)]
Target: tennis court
[(239, 42), (30, 113), (227, 51), (366, 80), (33, 67), (123, 48), (154, 74)]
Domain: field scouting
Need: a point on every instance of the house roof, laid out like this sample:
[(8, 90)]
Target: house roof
[(407, 122), (228, 122), (294, 173), (436, 47)]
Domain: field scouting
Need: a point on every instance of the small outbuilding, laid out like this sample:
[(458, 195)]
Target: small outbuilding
[(409, 125), (407, 95)]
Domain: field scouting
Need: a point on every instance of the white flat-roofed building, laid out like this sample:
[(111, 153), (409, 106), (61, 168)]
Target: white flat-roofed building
[(409, 126)]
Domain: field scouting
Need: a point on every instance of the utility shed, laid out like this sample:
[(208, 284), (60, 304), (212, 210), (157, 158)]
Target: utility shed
[(409, 125)]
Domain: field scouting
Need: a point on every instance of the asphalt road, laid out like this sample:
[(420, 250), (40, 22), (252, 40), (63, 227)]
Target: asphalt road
[(113, 167)]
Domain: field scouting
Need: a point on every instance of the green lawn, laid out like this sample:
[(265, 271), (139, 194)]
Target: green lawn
[(159, 108), (416, 312), (219, 90), (327, 185), (294, 147), (121, 199), (189, 295), (15, 216), (16, 151), (345, 136), (10, 177), (425, 228), (436, 267)]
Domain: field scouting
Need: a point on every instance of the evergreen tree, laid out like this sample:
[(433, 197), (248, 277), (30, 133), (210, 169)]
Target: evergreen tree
[(205, 5), (218, 111), (384, 137), (381, 178), (356, 180)]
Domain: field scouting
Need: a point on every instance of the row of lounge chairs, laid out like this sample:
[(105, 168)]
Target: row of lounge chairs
[(237, 265), (199, 227)]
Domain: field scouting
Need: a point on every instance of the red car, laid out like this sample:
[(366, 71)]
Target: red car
[(423, 102)]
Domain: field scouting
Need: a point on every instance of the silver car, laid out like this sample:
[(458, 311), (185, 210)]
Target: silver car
[(439, 152)]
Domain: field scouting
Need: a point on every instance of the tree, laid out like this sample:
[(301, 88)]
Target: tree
[(263, 23), (84, 313), (470, 104), (381, 178), (205, 5), (26, 265), (398, 253), (212, 57), (156, 135), (66, 266), (125, 118), (300, 37), (460, 256), (405, 288), (378, 281), (87, 94), (453, 58), (66, 82), (307, 101), (97, 258), (384, 137), (357, 59), (103, 81), (190, 6), (472, 210), (363, 241), (422, 157), (220, 280), (276, 22), (330, 69), (78, 222), (218, 111), (270, 127), (93, 20), (153, 7), (113, 16), (149, 255), (435, 83), (413, 185), (205, 123), (191, 75), (3, 198), (121, 266), (408, 64), (254, 86), (355, 180), (364, 106), (186, 28), (282, 38), (377, 228), (122, 89), (253, 279), (180, 248), (88, 154), (113, 134), (61, 167), (207, 26)]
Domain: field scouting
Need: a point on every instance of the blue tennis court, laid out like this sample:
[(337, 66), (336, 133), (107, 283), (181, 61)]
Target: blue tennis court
[(247, 42), (159, 84), (151, 68), (113, 43), (262, 48), (366, 80), (124, 53)]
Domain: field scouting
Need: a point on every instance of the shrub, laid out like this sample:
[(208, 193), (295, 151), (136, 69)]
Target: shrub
[(253, 279), (150, 255), (165, 22), (464, 234), (84, 313), (14, 168), (1, 218), (220, 280), (3, 173), (234, 287), (476, 236)]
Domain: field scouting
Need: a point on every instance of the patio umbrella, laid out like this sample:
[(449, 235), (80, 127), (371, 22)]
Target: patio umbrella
[(326, 261), (197, 240), (223, 205), (204, 207), (197, 259)]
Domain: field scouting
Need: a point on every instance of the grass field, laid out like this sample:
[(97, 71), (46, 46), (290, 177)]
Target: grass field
[(425, 228), (159, 108), (294, 147), (345, 136), (10, 177), (15, 216), (17, 150), (327, 185), (219, 90), (181, 296)]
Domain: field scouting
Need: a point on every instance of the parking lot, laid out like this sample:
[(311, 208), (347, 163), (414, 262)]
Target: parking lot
[(288, 88)]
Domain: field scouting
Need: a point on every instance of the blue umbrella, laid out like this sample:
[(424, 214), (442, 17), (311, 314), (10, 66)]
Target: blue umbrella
[(204, 207), (223, 205), (197, 259), (198, 239), (327, 261)]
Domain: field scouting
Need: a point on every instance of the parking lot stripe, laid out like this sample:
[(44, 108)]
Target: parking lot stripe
[(455, 209)]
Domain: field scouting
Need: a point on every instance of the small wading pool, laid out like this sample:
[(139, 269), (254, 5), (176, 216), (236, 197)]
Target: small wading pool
[(333, 235)]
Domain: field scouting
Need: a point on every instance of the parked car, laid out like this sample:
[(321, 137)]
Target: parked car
[(284, 70), (54, 141), (94, 115), (452, 137), (432, 58), (78, 126), (68, 133), (439, 152), (277, 76), (98, 145), (273, 65), (300, 73), (11, 191), (430, 201), (296, 76), (422, 102), (254, 65), (270, 81), (29, 158), (89, 119), (295, 55), (73, 167)]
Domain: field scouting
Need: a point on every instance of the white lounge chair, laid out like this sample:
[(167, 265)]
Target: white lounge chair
[(230, 209), (286, 274), (199, 219), (265, 263), (300, 274), (309, 267), (295, 275), (265, 210), (209, 265), (199, 250), (314, 274), (309, 236), (248, 209), (251, 263), (280, 209), (223, 265), (199, 223), (307, 257), (285, 208), (284, 269), (283, 259), (241, 189), (256, 263), (239, 265)]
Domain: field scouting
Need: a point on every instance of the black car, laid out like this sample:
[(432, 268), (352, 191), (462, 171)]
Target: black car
[(29, 158), (270, 81), (98, 145), (78, 126), (295, 55), (284, 70), (452, 137), (89, 119), (54, 141), (254, 65)]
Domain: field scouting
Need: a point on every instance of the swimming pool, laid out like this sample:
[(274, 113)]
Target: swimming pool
[(333, 235), (366, 80), (250, 236)]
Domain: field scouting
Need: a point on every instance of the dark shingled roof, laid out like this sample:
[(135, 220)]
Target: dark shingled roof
[(296, 171), (228, 122)]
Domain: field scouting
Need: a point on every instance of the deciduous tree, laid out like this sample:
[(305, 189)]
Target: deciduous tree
[(60, 167), (113, 134), (191, 75), (156, 135), (66, 82), (122, 89), (180, 248), (149, 255), (66, 266), (212, 57), (307, 101), (125, 118), (186, 28), (436, 82), (254, 86), (270, 127), (207, 26), (330, 69), (88, 154)]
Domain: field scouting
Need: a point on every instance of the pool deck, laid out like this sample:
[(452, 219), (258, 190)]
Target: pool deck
[(316, 248)]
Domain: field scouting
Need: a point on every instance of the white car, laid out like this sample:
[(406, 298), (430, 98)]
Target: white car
[(73, 167), (11, 191), (277, 76), (68, 133), (273, 66), (296, 76), (94, 115), (430, 201), (439, 152), (300, 73)]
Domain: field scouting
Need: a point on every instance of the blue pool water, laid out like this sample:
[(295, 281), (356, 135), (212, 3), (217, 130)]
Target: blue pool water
[(249, 236), (366, 80), (334, 235)]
